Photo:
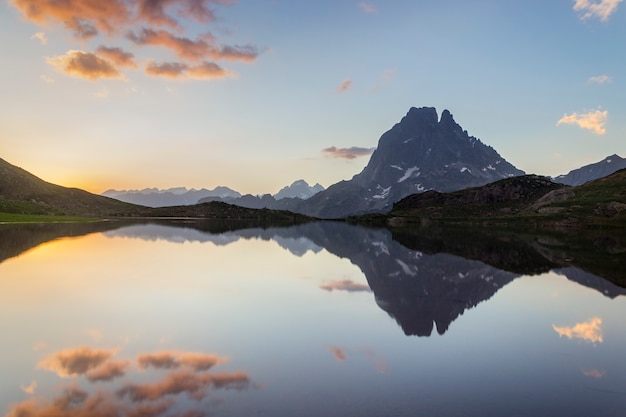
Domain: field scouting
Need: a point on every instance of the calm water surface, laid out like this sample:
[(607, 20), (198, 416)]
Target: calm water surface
[(319, 320)]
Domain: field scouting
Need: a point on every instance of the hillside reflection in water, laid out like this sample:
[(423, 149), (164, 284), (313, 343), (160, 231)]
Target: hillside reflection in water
[(193, 319)]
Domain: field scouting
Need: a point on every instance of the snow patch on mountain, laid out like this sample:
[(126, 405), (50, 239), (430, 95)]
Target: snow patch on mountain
[(408, 173), (384, 192)]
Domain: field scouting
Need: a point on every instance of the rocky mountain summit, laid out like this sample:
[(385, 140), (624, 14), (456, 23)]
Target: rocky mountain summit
[(298, 189), (422, 152)]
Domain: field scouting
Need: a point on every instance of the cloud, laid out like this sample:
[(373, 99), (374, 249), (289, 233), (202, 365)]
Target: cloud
[(344, 86), (75, 402), (200, 361), (347, 153), (593, 121), (30, 389), (390, 74), (591, 8), (173, 360), (184, 48), (184, 381), (193, 50), (208, 70), (41, 36), (167, 396), (85, 18), (368, 7), (142, 22), (180, 70), (600, 79), (345, 285), (118, 56), (338, 353), (594, 373), (85, 65), (590, 331), (159, 360), (108, 371), (378, 362), (156, 11), (76, 361)]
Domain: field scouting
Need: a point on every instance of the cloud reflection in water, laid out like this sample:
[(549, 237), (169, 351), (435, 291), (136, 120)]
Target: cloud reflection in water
[(178, 378)]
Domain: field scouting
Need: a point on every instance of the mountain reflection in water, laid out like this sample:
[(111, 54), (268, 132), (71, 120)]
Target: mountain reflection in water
[(185, 318), (415, 287), (416, 279)]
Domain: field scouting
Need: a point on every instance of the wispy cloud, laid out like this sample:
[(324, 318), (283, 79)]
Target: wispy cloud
[(108, 371), (30, 389), (76, 361), (173, 360), (338, 353), (347, 153), (146, 23), (184, 381), (180, 70), (594, 373), (594, 120), (85, 65), (600, 79), (344, 86), (377, 361), (601, 9), (41, 36), (345, 285), (120, 57), (367, 7), (590, 330), (389, 74)]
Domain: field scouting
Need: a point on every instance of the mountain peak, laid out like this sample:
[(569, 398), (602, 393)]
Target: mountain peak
[(446, 117), (420, 116), (298, 189), (420, 153)]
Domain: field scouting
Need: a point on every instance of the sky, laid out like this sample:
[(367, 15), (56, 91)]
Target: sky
[(255, 94)]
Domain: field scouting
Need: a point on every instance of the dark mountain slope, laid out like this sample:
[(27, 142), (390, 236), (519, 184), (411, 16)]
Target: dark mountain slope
[(22, 192), (591, 172)]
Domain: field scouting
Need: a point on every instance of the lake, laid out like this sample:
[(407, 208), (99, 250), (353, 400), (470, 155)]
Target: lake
[(193, 319)]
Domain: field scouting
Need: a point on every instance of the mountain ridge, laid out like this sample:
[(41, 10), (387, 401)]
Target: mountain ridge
[(594, 171)]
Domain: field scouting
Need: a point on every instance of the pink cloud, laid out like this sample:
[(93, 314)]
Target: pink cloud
[(345, 285), (347, 153), (368, 7), (344, 86), (76, 361), (85, 65)]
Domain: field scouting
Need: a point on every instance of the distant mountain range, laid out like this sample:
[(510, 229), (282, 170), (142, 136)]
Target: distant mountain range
[(591, 172), (181, 196)]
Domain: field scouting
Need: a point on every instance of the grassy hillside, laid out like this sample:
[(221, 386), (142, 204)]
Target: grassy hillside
[(23, 193), (522, 200)]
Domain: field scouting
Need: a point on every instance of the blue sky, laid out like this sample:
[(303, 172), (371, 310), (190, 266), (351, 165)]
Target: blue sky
[(250, 94)]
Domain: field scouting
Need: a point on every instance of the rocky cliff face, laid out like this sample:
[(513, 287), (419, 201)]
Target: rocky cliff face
[(420, 153)]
